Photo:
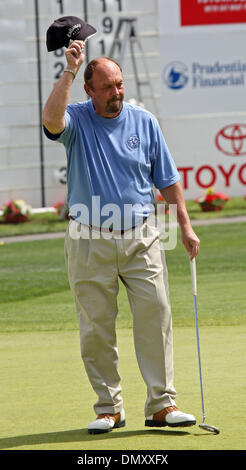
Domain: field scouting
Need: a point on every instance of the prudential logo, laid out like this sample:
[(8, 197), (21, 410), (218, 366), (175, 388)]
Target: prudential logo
[(175, 75)]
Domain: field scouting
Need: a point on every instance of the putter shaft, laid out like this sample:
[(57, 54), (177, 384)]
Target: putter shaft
[(194, 289)]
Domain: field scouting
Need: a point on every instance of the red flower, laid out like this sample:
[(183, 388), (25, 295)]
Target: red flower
[(58, 206), (222, 196), (210, 198)]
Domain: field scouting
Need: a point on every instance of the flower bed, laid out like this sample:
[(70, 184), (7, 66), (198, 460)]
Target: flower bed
[(16, 212), (212, 201)]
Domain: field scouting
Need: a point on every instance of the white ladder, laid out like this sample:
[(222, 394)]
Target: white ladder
[(126, 34)]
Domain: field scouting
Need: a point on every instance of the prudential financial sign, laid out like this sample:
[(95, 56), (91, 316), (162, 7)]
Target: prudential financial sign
[(177, 75)]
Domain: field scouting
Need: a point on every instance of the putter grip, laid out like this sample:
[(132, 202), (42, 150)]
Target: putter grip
[(193, 275)]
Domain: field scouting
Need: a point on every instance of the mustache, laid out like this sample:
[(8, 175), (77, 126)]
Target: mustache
[(112, 100)]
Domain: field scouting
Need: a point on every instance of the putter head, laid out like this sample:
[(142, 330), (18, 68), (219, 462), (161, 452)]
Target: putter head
[(209, 428)]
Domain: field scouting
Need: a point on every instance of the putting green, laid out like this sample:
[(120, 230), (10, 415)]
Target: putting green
[(46, 400)]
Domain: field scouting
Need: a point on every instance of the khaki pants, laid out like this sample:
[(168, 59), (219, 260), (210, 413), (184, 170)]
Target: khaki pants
[(94, 266)]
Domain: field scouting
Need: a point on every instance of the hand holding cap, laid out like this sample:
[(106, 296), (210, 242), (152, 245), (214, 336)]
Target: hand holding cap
[(66, 30)]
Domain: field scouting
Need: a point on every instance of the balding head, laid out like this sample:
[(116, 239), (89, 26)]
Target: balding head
[(104, 84), (101, 64)]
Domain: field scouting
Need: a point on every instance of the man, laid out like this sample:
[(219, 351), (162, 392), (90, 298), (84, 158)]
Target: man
[(116, 151)]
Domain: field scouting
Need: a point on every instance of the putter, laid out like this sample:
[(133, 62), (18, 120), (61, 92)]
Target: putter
[(194, 289)]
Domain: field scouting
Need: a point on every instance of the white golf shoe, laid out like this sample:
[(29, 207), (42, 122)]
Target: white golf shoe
[(105, 422), (170, 416)]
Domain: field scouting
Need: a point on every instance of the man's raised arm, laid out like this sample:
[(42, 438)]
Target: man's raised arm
[(53, 116)]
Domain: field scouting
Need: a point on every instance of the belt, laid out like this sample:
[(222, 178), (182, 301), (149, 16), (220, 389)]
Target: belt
[(106, 230)]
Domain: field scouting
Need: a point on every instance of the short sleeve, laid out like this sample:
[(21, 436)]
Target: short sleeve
[(67, 135)]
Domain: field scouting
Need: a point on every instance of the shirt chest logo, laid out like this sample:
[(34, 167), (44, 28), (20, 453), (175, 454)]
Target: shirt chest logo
[(133, 142)]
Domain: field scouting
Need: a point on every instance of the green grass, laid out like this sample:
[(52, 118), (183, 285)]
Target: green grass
[(235, 207), (38, 223), (221, 277), (35, 294), (47, 401)]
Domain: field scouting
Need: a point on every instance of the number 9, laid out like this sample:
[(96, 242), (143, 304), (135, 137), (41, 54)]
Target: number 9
[(107, 24)]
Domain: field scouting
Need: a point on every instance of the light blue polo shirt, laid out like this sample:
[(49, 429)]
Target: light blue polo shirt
[(112, 164)]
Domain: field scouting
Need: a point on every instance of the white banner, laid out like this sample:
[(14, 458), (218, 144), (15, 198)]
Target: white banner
[(203, 73), (209, 151), (203, 81)]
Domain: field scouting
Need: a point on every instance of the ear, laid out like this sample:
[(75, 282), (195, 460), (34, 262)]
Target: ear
[(88, 90)]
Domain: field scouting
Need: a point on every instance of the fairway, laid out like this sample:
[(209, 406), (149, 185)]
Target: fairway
[(35, 294), (46, 400)]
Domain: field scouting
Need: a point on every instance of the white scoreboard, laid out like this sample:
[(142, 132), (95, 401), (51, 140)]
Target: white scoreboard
[(32, 167)]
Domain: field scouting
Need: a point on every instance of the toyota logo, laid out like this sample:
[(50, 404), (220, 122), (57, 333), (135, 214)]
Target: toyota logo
[(231, 140)]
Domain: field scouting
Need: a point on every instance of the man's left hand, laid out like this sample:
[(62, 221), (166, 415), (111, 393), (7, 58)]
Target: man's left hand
[(191, 242)]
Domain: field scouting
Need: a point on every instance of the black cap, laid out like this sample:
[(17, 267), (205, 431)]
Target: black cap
[(65, 29)]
